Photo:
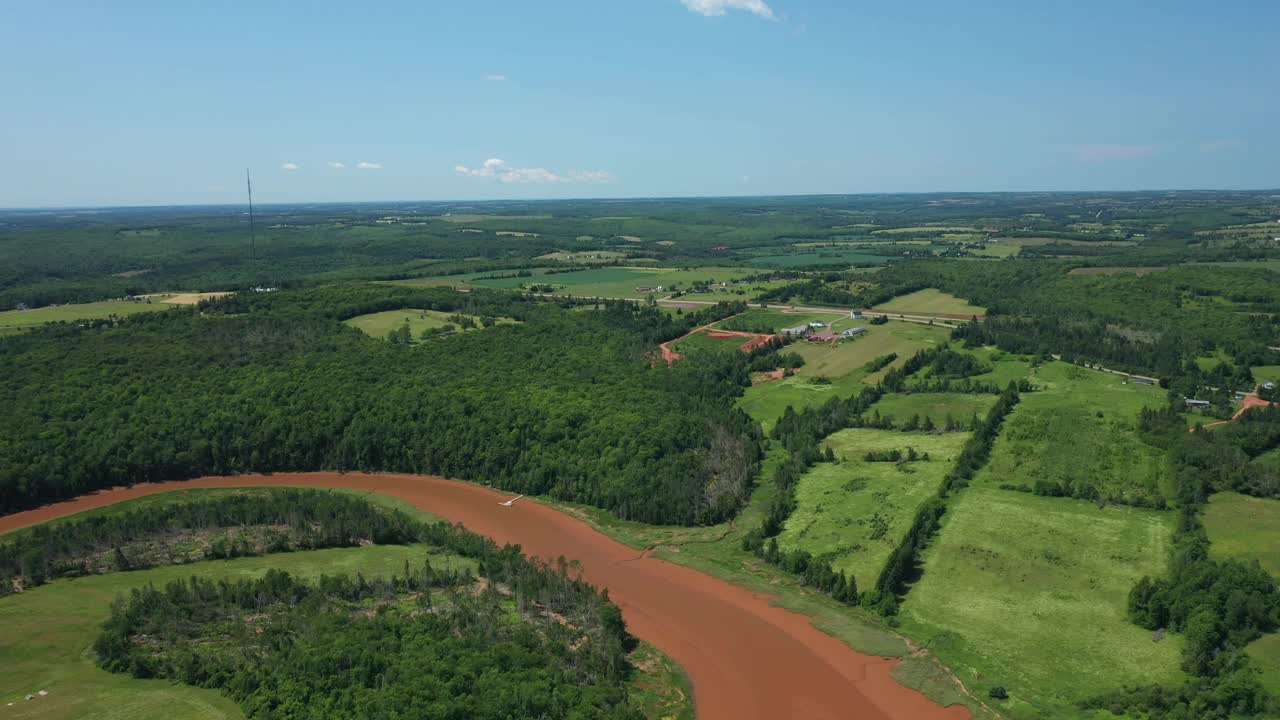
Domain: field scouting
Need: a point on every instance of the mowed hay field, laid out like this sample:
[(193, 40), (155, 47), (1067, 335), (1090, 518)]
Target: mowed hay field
[(841, 363), (856, 512), (961, 407), (1078, 430), (26, 319), (930, 302), (379, 324), (49, 632), (1244, 528), (1030, 593)]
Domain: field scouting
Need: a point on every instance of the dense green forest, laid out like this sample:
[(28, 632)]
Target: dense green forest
[(565, 403)]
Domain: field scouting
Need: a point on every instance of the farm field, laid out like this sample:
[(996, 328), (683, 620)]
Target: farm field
[(1005, 367), (614, 282), (930, 302), (1266, 373), (702, 341), (937, 406), (379, 324), (1030, 593), (26, 319), (841, 363), (50, 628), (776, 319), (1244, 528), (843, 258), (1265, 653), (584, 256), (1075, 408), (855, 512)]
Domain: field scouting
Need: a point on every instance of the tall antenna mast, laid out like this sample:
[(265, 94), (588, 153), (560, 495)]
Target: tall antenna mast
[(253, 240)]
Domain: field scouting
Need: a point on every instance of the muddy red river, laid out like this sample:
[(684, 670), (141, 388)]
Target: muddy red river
[(746, 659)]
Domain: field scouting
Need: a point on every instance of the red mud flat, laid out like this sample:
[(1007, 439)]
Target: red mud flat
[(746, 659)]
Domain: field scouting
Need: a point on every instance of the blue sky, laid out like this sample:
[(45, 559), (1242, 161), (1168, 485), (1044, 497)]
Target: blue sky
[(168, 102)]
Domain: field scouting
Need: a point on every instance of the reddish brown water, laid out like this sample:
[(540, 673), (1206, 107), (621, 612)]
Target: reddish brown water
[(747, 659)]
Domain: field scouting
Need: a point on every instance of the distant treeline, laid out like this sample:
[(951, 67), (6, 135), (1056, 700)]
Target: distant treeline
[(567, 403)]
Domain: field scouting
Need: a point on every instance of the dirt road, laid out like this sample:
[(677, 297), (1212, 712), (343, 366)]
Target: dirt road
[(746, 658)]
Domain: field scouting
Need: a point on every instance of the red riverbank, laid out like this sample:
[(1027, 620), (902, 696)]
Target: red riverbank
[(746, 658)]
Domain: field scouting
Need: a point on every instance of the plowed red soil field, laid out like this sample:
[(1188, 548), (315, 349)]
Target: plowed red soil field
[(746, 658)]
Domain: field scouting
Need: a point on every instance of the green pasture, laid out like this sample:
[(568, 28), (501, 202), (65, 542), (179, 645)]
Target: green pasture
[(379, 324), (930, 302), (855, 512), (50, 629), (1266, 373), (938, 406), (1244, 528), (613, 282), (1265, 652), (777, 319), (1030, 593), (701, 342), (837, 258), (15, 320), (841, 363), (584, 256), (1079, 429)]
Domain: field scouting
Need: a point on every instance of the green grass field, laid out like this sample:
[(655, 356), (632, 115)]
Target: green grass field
[(960, 406), (25, 319), (777, 319), (614, 282), (379, 324), (701, 341), (49, 631), (930, 302), (1265, 652), (841, 363), (1079, 429), (855, 512), (1029, 592), (1005, 367), (836, 258), (1244, 528), (1266, 373)]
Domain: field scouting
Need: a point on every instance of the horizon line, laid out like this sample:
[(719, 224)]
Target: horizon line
[(636, 198)]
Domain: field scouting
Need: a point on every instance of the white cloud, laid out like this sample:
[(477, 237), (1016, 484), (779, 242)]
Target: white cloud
[(499, 169), (364, 165), (496, 77), (291, 166), (719, 7), (337, 165)]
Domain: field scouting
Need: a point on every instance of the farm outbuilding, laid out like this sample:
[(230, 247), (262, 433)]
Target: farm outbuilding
[(853, 332), (797, 331)]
